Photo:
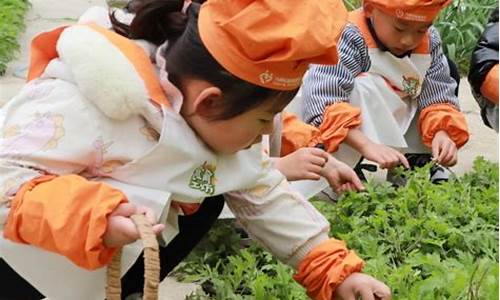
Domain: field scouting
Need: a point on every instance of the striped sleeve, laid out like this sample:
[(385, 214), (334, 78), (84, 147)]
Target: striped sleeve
[(438, 86), (325, 85)]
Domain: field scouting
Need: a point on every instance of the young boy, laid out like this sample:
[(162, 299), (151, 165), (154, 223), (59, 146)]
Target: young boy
[(391, 89)]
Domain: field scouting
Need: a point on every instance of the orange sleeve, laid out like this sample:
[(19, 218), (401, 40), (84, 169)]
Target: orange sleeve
[(338, 119), (295, 134), (489, 88), (42, 51), (326, 267), (66, 215), (187, 208), (443, 117)]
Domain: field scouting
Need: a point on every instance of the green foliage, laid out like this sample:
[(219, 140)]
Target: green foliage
[(352, 4), (226, 271), (116, 3), (460, 26), (425, 241), (11, 24)]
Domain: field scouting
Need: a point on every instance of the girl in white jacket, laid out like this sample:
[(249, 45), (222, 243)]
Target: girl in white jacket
[(97, 135)]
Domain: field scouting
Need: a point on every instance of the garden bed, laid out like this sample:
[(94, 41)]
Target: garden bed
[(425, 241)]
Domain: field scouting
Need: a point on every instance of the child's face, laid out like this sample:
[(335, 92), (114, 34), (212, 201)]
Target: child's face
[(231, 135), (399, 35)]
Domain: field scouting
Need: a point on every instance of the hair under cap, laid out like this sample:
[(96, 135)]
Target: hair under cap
[(270, 43)]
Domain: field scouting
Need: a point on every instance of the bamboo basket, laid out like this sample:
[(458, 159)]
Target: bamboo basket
[(151, 264)]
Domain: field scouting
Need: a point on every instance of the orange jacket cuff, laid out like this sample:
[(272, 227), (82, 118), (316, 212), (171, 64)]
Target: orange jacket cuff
[(66, 215), (326, 267), (338, 119), (295, 134), (187, 208), (443, 117), (489, 88)]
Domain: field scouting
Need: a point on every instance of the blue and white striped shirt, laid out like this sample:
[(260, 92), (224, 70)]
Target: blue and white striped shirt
[(325, 85)]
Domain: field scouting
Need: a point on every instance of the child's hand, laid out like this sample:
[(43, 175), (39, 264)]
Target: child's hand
[(340, 176), (121, 229), (444, 150), (359, 284), (386, 157), (305, 163)]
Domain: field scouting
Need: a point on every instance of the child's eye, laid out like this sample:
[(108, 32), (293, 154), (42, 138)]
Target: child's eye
[(399, 29), (265, 120)]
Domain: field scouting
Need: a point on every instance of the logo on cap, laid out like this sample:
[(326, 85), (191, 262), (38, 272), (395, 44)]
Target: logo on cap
[(400, 13), (266, 77)]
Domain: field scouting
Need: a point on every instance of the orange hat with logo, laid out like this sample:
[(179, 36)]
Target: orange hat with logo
[(411, 10), (270, 43)]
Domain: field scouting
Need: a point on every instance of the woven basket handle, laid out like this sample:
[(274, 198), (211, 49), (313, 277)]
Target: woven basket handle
[(151, 264)]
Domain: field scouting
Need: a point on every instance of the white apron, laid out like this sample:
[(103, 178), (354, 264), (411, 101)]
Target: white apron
[(179, 167), (387, 96), (388, 117)]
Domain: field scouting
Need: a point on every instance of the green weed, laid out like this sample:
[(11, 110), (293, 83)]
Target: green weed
[(11, 24)]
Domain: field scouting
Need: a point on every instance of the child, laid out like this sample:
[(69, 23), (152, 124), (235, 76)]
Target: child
[(390, 90), (302, 163), (96, 136), (483, 73)]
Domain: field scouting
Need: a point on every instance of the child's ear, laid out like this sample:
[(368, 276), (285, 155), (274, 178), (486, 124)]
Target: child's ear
[(368, 9), (207, 102)]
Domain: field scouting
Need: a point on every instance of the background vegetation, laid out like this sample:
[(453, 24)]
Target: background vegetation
[(11, 25)]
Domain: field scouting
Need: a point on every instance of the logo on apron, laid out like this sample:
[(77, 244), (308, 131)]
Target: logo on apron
[(203, 179), (411, 86)]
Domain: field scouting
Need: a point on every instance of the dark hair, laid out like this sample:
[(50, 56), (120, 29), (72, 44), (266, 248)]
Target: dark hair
[(186, 56)]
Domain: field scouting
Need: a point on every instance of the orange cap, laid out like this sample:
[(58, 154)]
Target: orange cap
[(411, 10), (270, 43)]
